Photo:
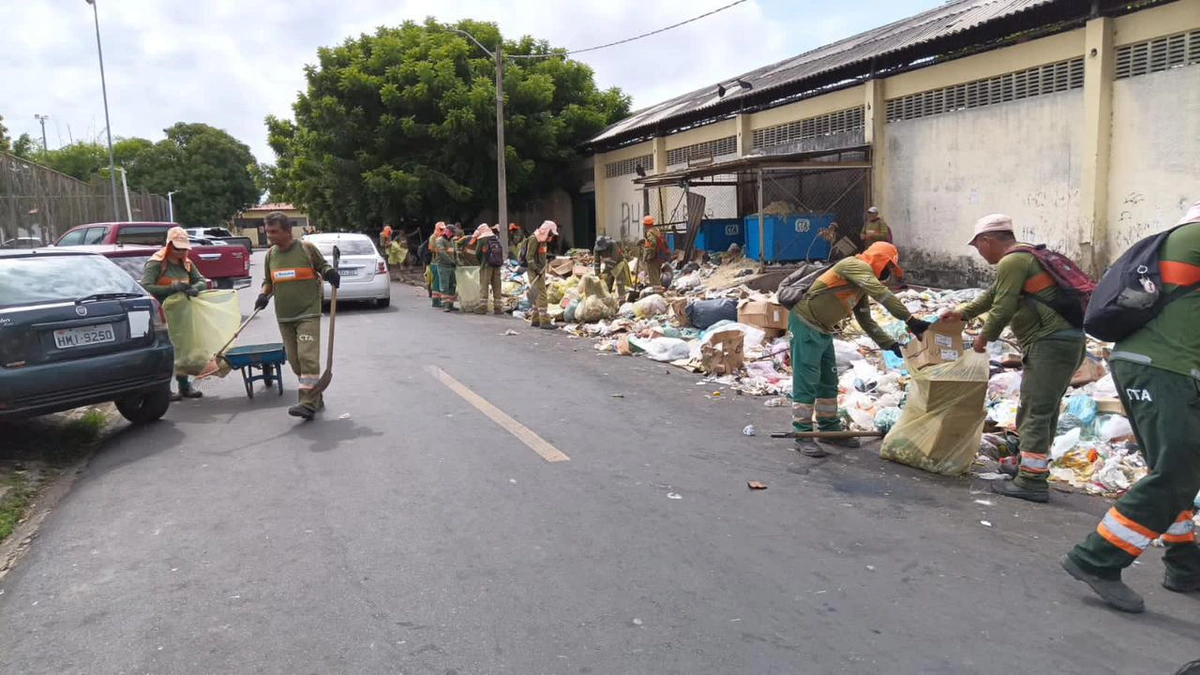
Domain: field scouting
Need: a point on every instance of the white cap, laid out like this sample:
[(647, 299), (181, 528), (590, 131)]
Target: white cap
[(873, 209), (996, 222), (1192, 215)]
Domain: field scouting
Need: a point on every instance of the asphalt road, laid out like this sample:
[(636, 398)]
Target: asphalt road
[(406, 531)]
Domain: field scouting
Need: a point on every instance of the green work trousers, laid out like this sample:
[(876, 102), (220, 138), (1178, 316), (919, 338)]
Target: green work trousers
[(814, 378), (447, 284), (435, 289), (489, 278), (302, 341), (538, 300), (1164, 411), (1049, 365), (654, 272)]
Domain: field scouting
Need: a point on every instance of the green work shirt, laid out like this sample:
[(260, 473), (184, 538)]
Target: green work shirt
[(536, 255), (1171, 340), (158, 275), (824, 307), (444, 252), (876, 231), (515, 243), (293, 276), (1030, 320)]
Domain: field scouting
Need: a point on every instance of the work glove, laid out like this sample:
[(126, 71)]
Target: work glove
[(917, 327), (333, 278), (180, 287), (192, 292), (895, 349), (260, 303)]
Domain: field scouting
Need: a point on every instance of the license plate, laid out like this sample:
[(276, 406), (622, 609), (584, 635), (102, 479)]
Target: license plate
[(67, 338), (348, 271)]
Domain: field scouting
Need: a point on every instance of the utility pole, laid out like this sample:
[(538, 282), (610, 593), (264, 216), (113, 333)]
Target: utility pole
[(171, 205), (112, 162), (501, 169), (128, 208), (42, 119), (501, 177)]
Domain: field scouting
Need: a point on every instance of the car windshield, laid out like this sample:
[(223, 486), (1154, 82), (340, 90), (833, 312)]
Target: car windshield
[(40, 279), (354, 246)]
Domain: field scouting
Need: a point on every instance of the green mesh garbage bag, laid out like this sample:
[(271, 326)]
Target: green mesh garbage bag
[(199, 326)]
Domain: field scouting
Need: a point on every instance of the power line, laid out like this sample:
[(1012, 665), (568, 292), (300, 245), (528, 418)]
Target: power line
[(631, 39)]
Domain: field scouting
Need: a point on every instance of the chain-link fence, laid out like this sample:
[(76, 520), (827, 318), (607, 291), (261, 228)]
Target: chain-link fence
[(843, 193), (38, 204)]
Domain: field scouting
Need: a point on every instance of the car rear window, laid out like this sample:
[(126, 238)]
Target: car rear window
[(134, 265), (31, 280), (149, 235), (346, 246)]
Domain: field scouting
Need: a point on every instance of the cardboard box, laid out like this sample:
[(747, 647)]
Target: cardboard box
[(678, 311), (1110, 406), (722, 354), (766, 315), (942, 343)]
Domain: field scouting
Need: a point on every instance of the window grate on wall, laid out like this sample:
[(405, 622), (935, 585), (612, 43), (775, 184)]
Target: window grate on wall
[(628, 166), (717, 148), (1157, 55), (1047, 79), (813, 127)]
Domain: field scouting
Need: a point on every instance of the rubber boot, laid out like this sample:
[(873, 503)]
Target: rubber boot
[(810, 448), (302, 411), (185, 389), (1179, 583), (1112, 591), (1011, 489)]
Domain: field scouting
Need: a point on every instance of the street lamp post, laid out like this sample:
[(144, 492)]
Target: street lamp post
[(501, 171), (171, 205), (112, 162), (42, 119)]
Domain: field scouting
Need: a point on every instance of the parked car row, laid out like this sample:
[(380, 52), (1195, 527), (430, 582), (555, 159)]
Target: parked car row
[(227, 266)]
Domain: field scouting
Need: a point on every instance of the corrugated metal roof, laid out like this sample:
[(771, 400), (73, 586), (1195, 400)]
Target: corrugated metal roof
[(940, 22)]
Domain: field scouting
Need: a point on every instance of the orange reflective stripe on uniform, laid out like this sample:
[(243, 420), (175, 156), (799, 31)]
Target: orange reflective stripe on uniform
[(832, 279), (1182, 531), (826, 407), (293, 274), (1179, 273), (1124, 533), (1035, 462), (1038, 283), (167, 281)]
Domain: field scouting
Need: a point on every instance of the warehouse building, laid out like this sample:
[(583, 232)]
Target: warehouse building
[(1079, 118)]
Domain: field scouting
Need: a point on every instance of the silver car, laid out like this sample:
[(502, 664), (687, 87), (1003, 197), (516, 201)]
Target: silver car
[(364, 272)]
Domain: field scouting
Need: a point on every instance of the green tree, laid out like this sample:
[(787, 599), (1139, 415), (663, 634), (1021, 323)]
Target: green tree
[(5, 141), (400, 125), (83, 160)]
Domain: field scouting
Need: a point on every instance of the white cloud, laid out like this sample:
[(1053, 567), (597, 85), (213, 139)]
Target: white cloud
[(230, 63)]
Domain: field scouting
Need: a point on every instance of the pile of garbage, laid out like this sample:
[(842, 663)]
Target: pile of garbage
[(710, 321)]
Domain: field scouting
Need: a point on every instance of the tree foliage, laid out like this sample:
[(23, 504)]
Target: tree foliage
[(400, 125), (210, 169), (23, 146)]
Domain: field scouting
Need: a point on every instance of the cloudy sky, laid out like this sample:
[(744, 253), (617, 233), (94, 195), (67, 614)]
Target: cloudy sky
[(229, 63)]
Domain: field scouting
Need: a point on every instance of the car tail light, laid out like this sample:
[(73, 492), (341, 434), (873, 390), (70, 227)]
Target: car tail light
[(381, 268), (159, 316)]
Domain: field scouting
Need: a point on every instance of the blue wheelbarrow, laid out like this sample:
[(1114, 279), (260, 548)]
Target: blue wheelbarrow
[(259, 363)]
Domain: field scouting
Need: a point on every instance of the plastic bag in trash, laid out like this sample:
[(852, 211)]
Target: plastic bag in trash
[(704, 313), (1083, 408), (1114, 428), (663, 348), (1065, 443), (650, 306), (940, 427), (199, 326), (886, 418)]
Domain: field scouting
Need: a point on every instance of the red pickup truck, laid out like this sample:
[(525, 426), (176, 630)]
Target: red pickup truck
[(226, 266)]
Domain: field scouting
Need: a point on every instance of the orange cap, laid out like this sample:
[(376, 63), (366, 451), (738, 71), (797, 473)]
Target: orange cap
[(513, 226), (648, 221)]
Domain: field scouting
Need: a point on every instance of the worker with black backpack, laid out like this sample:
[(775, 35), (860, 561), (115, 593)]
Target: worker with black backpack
[(1040, 294), (1149, 304)]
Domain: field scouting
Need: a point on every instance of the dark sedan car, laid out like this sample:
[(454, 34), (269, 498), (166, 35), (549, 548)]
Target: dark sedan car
[(76, 329)]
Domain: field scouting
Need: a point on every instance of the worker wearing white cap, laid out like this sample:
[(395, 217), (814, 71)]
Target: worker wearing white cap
[(1023, 297), (875, 229), (170, 271)]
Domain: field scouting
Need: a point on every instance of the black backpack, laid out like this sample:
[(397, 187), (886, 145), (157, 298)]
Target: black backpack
[(793, 289), (495, 253), (1130, 293)]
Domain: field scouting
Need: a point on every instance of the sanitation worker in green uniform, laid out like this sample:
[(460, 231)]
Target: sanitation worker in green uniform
[(292, 275), (171, 271)]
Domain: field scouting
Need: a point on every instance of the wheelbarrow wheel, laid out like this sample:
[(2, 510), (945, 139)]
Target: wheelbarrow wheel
[(268, 377), (248, 382)]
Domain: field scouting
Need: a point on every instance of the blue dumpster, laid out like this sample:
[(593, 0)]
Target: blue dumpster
[(717, 234), (789, 238)]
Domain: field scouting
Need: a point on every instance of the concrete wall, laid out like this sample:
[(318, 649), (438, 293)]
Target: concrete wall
[(1154, 172), (945, 171)]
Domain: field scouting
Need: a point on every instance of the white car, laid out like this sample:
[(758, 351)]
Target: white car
[(364, 272)]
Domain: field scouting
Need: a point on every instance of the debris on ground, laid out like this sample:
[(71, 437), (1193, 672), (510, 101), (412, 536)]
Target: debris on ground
[(755, 485)]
